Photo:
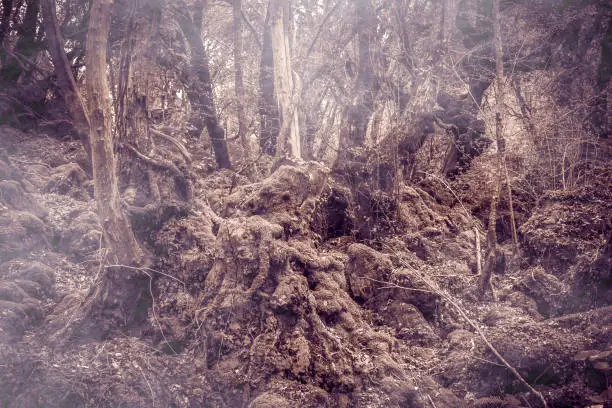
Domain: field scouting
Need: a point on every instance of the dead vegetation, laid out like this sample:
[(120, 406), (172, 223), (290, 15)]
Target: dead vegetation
[(251, 306)]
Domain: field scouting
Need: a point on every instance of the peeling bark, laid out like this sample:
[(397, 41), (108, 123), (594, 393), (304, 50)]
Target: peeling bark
[(117, 232)]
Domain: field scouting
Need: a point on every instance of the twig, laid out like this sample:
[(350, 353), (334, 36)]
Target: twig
[(174, 141), (163, 164), (450, 300), (38, 163), (394, 285), (430, 400), (144, 270), (149, 384)]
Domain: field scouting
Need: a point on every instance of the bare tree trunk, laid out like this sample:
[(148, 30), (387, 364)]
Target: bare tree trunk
[(239, 75), (66, 83), (269, 115), (515, 243), (449, 12), (122, 292), (492, 250), (200, 92), (117, 232), (357, 116), (133, 130), (478, 252), (288, 142)]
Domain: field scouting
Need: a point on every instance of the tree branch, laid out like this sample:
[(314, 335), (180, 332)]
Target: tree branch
[(175, 142), (251, 28)]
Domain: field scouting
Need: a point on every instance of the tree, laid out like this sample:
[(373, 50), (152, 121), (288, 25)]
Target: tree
[(122, 289), (66, 83), (199, 88), (288, 142), (133, 97), (357, 115), (269, 115), (239, 74), (493, 257)]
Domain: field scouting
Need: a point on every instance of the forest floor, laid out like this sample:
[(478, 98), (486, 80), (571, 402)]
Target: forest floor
[(261, 297)]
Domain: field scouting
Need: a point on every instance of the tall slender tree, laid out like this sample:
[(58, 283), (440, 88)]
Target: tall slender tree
[(199, 87), (66, 83), (269, 115), (288, 142), (239, 73), (121, 289), (493, 256)]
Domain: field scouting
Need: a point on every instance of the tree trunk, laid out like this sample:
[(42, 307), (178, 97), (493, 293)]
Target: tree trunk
[(357, 116), (269, 115), (239, 75), (66, 83), (288, 142), (200, 92), (121, 290), (137, 56), (493, 255)]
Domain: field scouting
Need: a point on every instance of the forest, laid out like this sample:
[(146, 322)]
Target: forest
[(305, 203)]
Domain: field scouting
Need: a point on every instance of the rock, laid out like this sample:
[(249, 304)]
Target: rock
[(549, 293), (33, 289), (82, 237), (20, 234), (38, 273), (290, 294), (408, 322), (270, 400), (521, 300), (13, 195), (68, 179), (9, 291), (16, 317), (366, 269)]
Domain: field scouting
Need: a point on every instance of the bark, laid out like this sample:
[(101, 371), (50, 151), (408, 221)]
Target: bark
[(65, 80), (117, 232), (133, 95), (121, 292), (288, 142), (200, 91), (493, 254), (269, 115), (357, 116), (239, 75), (449, 12)]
